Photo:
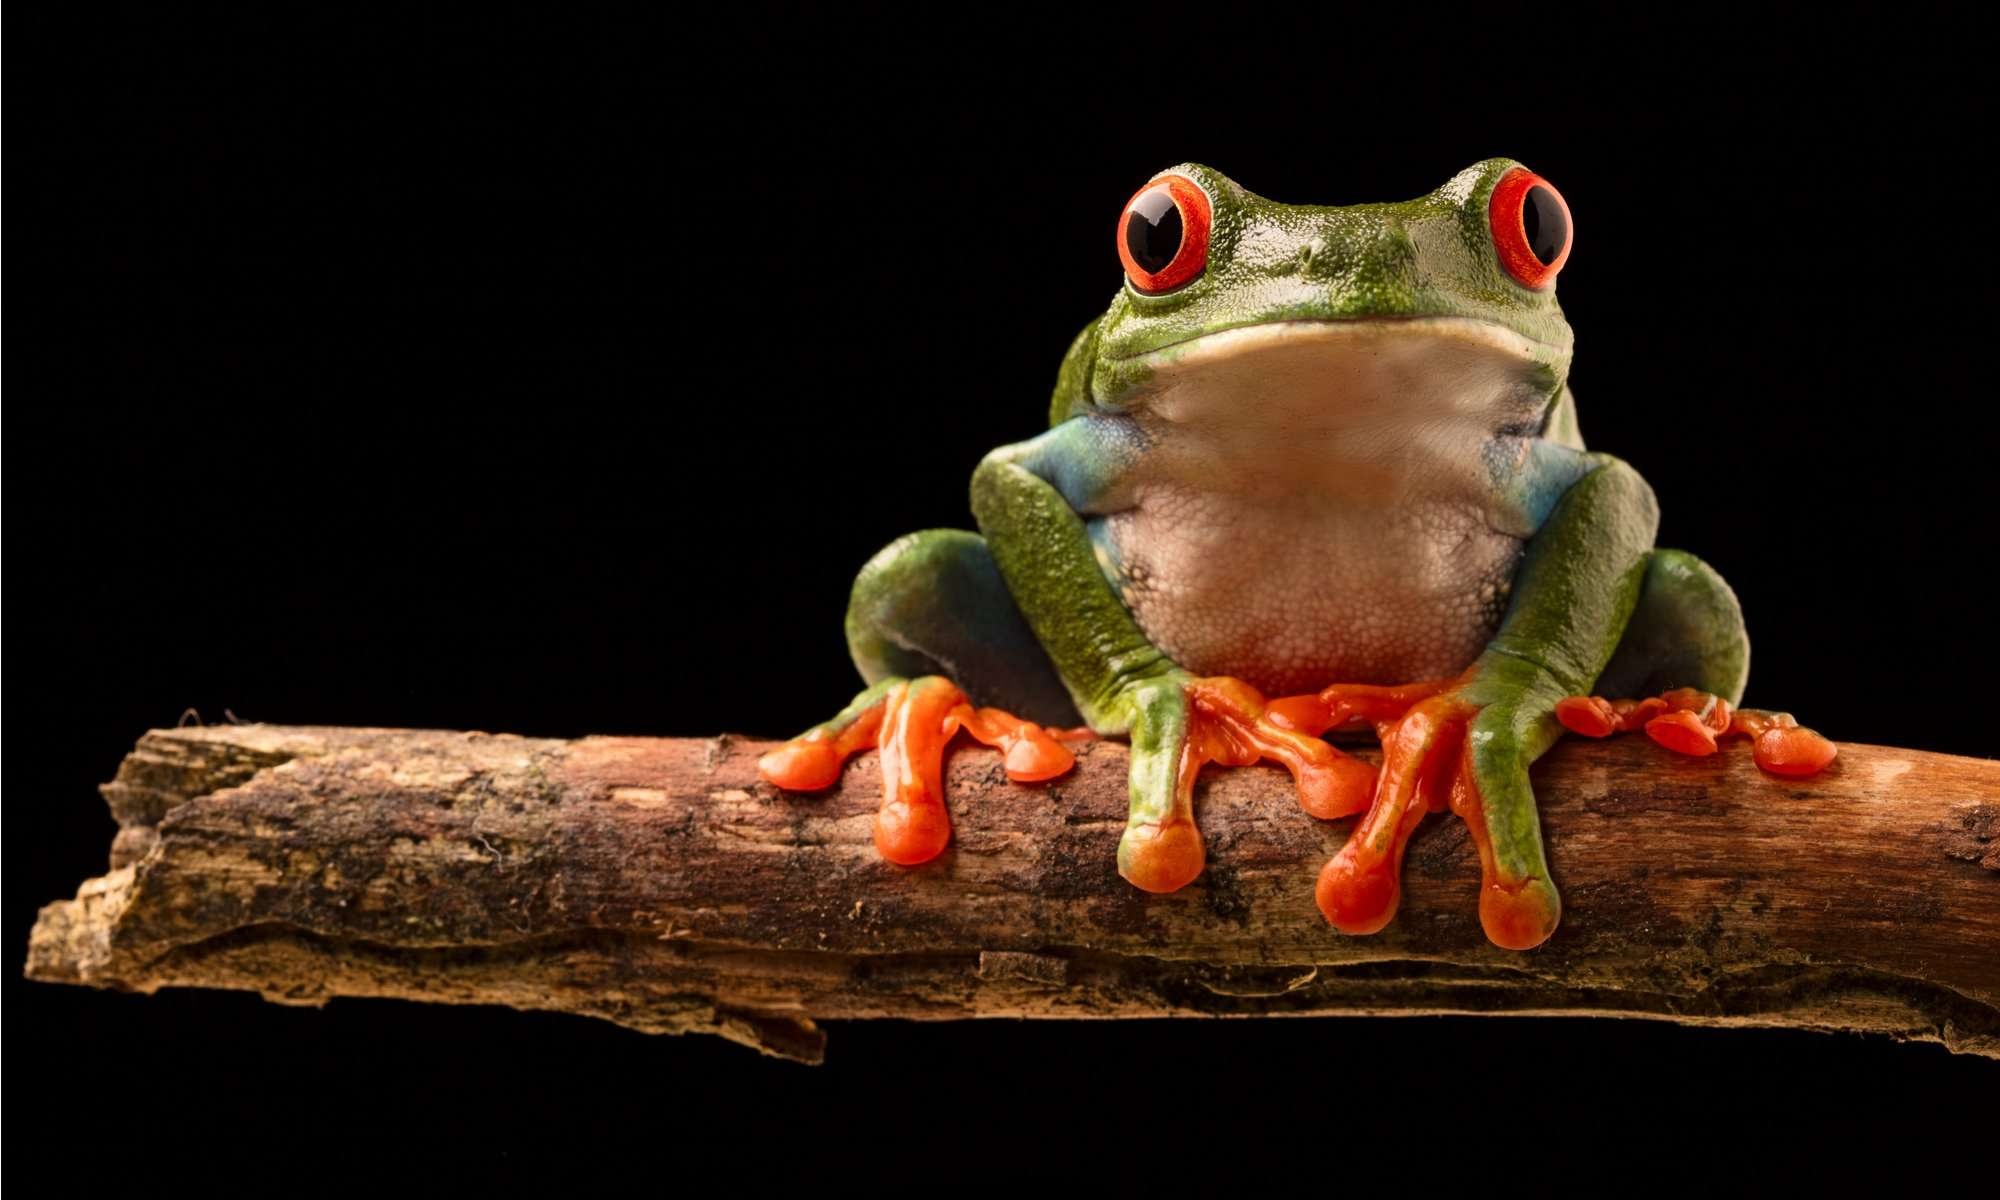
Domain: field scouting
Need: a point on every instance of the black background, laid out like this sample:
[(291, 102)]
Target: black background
[(556, 380)]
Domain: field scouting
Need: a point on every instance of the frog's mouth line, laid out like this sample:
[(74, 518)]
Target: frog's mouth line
[(1216, 345), (1336, 386)]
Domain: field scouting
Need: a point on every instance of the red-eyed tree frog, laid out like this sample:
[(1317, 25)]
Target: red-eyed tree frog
[(1327, 455)]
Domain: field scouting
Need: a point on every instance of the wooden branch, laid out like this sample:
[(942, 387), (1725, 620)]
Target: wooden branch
[(657, 884)]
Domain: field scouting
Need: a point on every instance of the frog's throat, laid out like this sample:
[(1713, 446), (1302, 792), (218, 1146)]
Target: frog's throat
[(1219, 345), (1338, 390)]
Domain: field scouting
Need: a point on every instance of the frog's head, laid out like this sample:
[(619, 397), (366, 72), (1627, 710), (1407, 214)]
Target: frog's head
[(1221, 282)]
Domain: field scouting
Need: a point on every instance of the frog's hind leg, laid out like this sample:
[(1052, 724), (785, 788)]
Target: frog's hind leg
[(1687, 631), (934, 631), (1686, 658), (933, 603)]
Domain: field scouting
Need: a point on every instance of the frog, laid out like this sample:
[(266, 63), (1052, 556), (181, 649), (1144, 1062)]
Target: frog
[(1316, 471)]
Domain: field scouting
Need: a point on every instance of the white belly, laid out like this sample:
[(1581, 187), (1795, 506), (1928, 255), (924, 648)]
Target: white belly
[(1293, 600), (1325, 502)]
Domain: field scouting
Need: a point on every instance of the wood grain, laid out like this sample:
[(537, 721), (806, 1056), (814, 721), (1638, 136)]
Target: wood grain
[(658, 884)]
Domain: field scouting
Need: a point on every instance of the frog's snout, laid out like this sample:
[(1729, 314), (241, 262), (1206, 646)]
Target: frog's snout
[(1388, 256)]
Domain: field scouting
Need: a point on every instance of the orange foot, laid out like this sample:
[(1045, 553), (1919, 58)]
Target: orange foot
[(1425, 769), (912, 721), (1229, 722), (1689, 722)]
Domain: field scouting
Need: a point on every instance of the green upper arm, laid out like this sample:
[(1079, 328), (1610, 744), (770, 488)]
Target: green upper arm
[(1046, 556), (1580, 577)]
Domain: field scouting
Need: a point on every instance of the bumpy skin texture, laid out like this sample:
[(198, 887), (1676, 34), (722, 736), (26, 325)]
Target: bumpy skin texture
[(1344, 454)]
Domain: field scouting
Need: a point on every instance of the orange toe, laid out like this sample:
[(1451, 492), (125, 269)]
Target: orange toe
[(1161, 858), (1591, 716), (1035, 755), (1307, 714), (1794, 752), (1682, 732), (1028, 752), (1338, 787), (1521, 917), (803, 765), (908, 834), (1357, 897)]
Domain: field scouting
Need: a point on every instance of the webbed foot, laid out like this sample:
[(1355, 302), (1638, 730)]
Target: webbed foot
[(911, 721), (1688, 721), (1458, 744), (1183, 724)]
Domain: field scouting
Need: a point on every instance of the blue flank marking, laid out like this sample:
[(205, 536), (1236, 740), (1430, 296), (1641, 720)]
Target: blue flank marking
[(1082, 457), (1531, 475)]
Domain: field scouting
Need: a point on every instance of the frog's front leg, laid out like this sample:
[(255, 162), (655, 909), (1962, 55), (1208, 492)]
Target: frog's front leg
[(1028, 499), (1469, 746), (932, 629)]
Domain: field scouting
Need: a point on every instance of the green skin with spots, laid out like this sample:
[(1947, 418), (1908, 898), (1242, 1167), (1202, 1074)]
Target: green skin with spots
[(1588, 520)]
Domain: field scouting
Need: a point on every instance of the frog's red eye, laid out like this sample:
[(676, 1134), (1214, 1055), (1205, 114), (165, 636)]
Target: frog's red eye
[(1163, 236), (1530, 227)]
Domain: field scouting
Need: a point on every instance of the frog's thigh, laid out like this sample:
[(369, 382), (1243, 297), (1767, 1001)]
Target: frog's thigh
[(1687, 631), (933, 603)]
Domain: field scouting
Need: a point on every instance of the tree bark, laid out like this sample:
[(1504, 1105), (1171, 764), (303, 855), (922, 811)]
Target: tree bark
[(658, 884)]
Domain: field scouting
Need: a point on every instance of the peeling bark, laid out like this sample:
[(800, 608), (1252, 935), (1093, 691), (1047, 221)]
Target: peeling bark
[(658, 884)]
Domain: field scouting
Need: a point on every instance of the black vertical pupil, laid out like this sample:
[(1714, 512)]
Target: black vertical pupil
[(1542, 219), (1153, 230)]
